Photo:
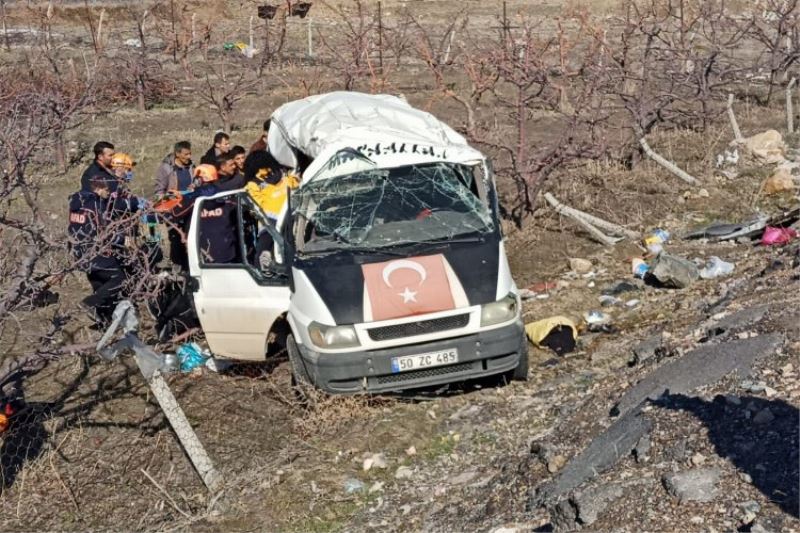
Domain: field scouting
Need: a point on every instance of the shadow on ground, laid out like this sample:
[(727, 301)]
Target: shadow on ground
[(763, 444)]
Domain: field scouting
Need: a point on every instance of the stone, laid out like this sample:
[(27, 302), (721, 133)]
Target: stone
[(555, 463), (778, 183), (375, 460), (764, 416), (698, 459), (703, 193), (697, 485), (580, 266), (411, 450), (403, 472), (642, 449), (767, 147), (750, 506), (464, 477), (591, 503), (648, 349)]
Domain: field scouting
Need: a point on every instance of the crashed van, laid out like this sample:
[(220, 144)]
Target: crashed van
[(387, 268)]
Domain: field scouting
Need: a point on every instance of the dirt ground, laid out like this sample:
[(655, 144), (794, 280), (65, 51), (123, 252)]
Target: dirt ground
[(96, 453)]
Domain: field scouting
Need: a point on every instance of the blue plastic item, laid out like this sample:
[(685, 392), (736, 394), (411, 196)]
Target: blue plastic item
[(191, 356)]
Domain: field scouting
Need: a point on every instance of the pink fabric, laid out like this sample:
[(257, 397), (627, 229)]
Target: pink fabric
[(778, 235)]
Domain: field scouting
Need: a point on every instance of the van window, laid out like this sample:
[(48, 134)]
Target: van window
[(231, 233), (385, 207)]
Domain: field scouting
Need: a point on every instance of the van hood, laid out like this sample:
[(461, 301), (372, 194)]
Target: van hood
[(366, 287)]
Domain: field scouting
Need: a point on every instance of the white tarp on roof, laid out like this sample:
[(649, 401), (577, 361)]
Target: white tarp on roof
[(384, 128)]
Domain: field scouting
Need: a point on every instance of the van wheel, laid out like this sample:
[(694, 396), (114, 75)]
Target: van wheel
[(301, 382), (521, 372)]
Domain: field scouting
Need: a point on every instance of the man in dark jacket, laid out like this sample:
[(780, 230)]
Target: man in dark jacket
[(229, 177), (261, 144), (176, 170), (222, 145), (97, 245), (101, 166)]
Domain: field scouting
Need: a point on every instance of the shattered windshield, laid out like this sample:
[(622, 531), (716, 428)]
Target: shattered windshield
[(376, 208)]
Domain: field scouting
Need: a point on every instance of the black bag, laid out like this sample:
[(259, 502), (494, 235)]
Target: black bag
[(173, 308)]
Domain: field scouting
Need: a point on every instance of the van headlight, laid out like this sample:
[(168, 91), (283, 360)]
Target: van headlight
[(333, 336), (500, 311)]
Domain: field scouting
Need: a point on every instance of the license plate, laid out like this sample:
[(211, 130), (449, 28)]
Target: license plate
[(425, 360)]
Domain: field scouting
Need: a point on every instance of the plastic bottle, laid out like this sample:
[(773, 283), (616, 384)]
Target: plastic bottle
[(639, 268), (716, 267), (656, 237)]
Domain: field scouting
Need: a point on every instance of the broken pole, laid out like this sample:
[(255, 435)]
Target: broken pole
[(669, 165), (790, 106), (737, 133)]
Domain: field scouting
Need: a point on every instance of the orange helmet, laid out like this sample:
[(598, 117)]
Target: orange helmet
[(206, 173), (121, 160)]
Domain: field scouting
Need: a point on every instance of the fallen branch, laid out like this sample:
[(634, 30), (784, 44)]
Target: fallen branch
[(574, 215), (669, 165), (592, 223), (737, 133)]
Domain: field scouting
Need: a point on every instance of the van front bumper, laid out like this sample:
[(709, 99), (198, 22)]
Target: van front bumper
[(481, 354)]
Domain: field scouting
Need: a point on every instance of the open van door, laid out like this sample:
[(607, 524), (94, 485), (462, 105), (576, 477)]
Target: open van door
[(238, 296)]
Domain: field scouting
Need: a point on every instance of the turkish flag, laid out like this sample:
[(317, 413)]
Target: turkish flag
[(406, 287)]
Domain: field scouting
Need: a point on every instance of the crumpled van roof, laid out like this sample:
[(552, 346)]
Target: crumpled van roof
[(383, 127)]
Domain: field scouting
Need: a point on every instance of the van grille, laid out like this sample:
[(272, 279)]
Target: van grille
[(426, 373), (411, 329)]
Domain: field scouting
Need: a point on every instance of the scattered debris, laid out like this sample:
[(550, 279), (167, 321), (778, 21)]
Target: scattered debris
[(778, 236), (716, 267), (353, 485), (557, 333), (674, 272)]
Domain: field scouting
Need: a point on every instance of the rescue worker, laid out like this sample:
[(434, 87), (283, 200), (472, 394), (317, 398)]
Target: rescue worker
[(270, 190), (178, 209), (259, 153), (222, 145), (239, 156), (125, 205), (176, 170), (229, 177), (101, 166), (97, 246)]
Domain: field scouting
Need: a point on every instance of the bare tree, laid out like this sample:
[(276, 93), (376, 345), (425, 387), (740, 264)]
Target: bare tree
[(518, 84), (223, 91)]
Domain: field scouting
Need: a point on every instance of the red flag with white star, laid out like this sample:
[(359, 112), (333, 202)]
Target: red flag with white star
[(406, 287)]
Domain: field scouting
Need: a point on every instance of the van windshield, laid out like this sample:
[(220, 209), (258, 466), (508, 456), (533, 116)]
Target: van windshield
[(378, 208)]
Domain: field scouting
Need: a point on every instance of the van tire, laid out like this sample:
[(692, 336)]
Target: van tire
[(521, 372), (301, 382)]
